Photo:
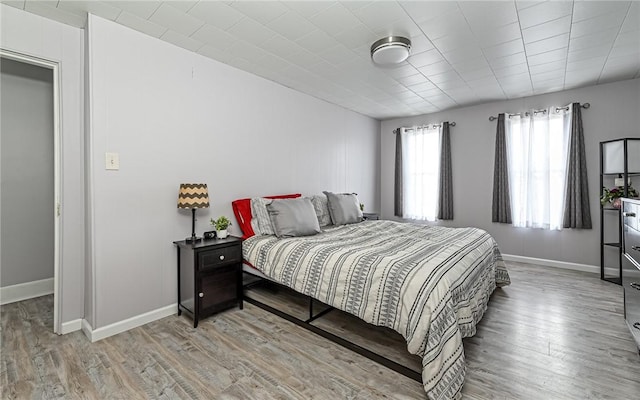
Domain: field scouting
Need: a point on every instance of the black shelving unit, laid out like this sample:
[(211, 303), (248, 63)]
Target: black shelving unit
[(615, 163)]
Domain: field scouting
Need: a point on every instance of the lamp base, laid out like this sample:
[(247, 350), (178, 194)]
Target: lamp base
[(192, 239)]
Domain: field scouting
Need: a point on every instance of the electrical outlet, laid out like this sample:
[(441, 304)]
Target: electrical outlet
[(112, 161)]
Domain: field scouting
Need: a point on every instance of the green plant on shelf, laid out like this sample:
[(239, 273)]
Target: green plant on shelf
[(221, 224), (609, 195)]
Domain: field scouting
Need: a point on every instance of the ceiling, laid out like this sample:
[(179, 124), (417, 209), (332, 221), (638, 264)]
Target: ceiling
[(463, 52)]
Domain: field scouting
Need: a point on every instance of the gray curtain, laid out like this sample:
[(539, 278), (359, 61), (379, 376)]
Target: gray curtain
[(398, 209), (577, 211), (501, 208), (445, 199)]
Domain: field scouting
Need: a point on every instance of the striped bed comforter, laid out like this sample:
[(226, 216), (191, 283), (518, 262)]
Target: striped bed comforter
[(430, 284)]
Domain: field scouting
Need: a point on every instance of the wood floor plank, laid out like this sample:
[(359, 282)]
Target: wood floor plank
[(552, 334), (71, 373)]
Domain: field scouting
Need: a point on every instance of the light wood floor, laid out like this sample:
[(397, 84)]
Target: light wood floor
[(552, 334)]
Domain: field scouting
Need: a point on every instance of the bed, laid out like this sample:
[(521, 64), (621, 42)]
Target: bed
[(430, 284)]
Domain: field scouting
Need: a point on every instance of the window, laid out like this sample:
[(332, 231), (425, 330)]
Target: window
[(537, 148), (420, 172)]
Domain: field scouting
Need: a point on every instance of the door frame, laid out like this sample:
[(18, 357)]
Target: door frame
[(57, 182)]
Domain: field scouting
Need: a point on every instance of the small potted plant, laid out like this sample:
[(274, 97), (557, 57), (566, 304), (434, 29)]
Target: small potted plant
[(613, 195), (362, 207), (221, 224)]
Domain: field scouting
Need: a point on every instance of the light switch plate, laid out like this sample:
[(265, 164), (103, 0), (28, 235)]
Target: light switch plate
[(112, 161)]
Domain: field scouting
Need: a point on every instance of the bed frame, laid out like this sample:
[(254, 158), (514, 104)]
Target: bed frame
[(257, 280)]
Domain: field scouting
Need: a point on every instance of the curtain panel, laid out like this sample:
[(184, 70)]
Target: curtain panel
[(420, 157), (445, 189), (537, 145), (501, 207), (398, 190), (577, 210)]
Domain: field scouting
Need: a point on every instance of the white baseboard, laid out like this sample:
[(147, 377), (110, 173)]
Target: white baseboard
[(71, 326), (594, 269), (121, 326), (24, 291), (87, 329)]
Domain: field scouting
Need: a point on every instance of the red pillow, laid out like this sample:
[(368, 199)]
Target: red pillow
[(242, 211)]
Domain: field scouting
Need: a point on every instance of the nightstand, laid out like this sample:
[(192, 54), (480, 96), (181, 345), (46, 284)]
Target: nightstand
[(370, 216), (209, 276)]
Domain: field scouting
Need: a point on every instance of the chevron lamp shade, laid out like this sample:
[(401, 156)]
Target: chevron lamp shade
[(193, 195)]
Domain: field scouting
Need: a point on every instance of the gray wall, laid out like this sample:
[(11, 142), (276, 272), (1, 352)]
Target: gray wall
[(26, 33), (175, 116), (26, 165), (614, 113)]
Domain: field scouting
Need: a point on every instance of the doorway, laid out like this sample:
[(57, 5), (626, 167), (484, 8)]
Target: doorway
[(30, 185)]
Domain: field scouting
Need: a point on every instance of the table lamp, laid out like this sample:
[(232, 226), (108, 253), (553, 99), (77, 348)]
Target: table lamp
[(193, 195)]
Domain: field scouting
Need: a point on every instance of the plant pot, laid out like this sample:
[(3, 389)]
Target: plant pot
[(222, 234), (617, 202)]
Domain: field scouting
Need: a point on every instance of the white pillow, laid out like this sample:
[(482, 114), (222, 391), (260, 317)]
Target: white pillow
[(321, 206), (260, 216), (255, 226)]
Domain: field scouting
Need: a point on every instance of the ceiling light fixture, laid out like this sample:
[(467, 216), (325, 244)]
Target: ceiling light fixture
[(390, 50)]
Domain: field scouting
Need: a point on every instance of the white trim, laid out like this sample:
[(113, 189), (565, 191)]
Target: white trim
[(121, 326), (558, 264), (71, 326), (57, 182), (25, 291), (87, 329), (57, 206), (90, 234)]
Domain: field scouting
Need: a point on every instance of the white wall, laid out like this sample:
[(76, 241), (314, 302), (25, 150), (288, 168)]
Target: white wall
[(30, 34), (27, 172), (175, 116), (614, 113)]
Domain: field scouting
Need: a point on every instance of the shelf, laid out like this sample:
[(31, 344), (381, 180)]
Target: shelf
[(615, 156), (615, 174)]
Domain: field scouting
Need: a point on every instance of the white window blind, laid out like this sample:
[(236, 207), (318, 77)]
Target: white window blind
[(421, 169)]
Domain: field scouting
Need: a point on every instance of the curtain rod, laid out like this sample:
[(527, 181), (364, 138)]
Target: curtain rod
[(585, 106), (433, 126)]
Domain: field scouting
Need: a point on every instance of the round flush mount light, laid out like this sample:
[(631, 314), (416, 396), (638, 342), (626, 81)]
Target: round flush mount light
[(390, 50)]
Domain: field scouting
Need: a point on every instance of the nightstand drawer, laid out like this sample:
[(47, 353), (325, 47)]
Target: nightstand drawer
[(219, 256)]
